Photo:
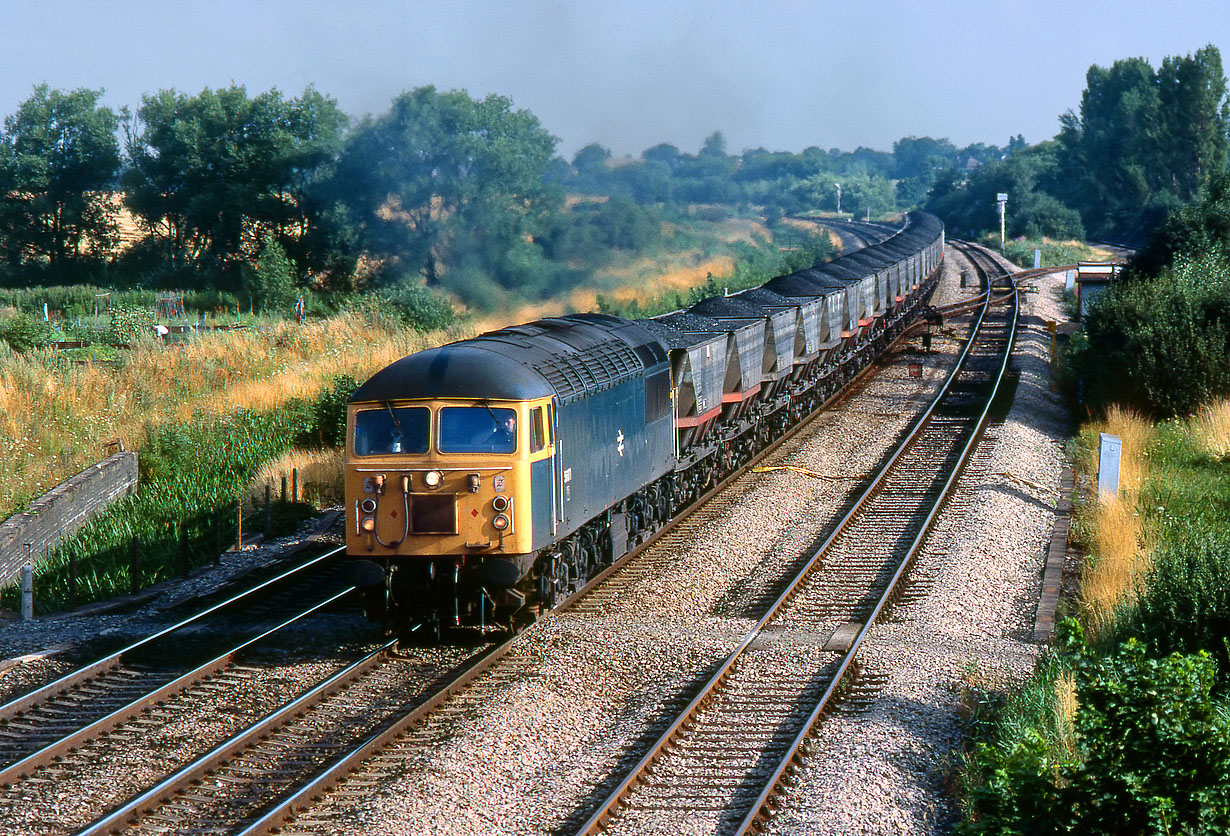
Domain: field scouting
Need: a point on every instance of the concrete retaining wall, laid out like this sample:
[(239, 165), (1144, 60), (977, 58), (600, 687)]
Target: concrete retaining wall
[(63, 510)]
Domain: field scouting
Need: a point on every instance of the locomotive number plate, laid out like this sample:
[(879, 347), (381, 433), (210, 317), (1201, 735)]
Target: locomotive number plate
[(498, 483)]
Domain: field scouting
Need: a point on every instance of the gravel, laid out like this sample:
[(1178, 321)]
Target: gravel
[(888, 769)]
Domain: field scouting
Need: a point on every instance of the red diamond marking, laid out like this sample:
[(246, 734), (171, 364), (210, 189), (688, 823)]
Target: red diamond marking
[(474, 513), (393, 514)]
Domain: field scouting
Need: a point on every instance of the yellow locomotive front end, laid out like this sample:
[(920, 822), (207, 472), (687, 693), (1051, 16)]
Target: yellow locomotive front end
[(439, 503)]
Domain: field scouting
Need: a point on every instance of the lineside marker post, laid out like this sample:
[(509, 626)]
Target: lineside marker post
[(1109, 448), (1001, 198), (27, 591)]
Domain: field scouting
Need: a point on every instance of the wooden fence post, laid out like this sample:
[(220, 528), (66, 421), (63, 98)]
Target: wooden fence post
[(268, 512), (294, 484)]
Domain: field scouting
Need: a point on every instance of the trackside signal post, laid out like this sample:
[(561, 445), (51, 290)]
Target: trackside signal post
[(1001, 198)]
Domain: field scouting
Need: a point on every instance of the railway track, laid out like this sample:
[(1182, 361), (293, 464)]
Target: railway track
[(725, 757), (373, 712), (398, 740)]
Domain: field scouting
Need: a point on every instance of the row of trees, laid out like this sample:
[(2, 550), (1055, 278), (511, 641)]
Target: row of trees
[(210, 180), (875, 182), (1144, 142), (234, 192)]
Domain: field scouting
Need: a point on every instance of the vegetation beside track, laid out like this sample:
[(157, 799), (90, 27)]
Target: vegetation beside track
[(1125, 727)]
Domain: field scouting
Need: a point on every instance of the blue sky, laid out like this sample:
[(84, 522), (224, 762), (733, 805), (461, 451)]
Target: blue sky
[(779, 74)]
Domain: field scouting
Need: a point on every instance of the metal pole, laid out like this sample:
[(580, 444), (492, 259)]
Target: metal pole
[(268, 512), (27, 593)]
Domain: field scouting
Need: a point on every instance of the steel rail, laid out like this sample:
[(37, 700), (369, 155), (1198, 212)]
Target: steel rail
[(762, 806), (112, 661), (606, 809), (59, 748), (152, 798)]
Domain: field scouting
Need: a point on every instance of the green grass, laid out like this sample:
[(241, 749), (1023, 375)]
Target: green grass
[(1153, 691), (191, 477)]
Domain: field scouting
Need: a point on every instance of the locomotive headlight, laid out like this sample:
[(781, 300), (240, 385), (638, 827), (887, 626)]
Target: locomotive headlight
[(369, 524), (433, 478), (500, 503), (500, 522), (368, 506), (472, 481)]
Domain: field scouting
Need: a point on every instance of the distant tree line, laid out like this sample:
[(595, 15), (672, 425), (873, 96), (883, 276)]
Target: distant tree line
[(872, 182), (1144, 143), (264, 195)]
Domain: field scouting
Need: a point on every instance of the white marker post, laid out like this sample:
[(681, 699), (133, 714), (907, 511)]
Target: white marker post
[(1109, 447), (27, 593)]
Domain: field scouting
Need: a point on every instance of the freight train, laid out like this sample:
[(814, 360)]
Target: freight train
[(491, 476)]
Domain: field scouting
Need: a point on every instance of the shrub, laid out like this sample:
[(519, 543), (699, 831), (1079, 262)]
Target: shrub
[(1151, 754), (24, 333), (1159, 345), (128, 322), (271, 281), (419, 307), (329, 414)]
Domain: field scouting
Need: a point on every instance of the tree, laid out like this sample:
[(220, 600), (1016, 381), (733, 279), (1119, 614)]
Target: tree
[(58, 162), (664, 153), (442, 181), (1144, 141), (714, 145), (211, 174), (271, 281), (1195, 118)]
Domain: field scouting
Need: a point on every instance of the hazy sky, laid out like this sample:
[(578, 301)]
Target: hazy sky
[(781, 74)]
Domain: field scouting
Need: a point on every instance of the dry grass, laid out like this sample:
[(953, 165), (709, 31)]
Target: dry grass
[(1210, 429), (1065, 716), (1116, 568), (1120, 547), (1135, 432), (320, 478), (54, 416)]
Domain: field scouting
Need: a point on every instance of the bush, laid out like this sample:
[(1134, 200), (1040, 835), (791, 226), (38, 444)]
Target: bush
[(1159, 345), (271, 282), (329, 415), (1151, 755), (24, 333)]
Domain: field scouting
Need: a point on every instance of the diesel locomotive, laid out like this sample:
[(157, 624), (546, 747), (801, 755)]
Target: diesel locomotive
[(494, 474)]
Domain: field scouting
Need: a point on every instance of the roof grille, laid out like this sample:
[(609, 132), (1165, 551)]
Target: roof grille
[(595, 368)]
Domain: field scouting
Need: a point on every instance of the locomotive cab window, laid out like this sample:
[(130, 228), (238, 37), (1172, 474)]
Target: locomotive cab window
[(477, 429), (538, 430), (391, 431)]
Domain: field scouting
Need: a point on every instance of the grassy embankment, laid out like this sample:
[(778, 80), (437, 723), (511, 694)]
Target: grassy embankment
[(1126, 726), (1054, 253)]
